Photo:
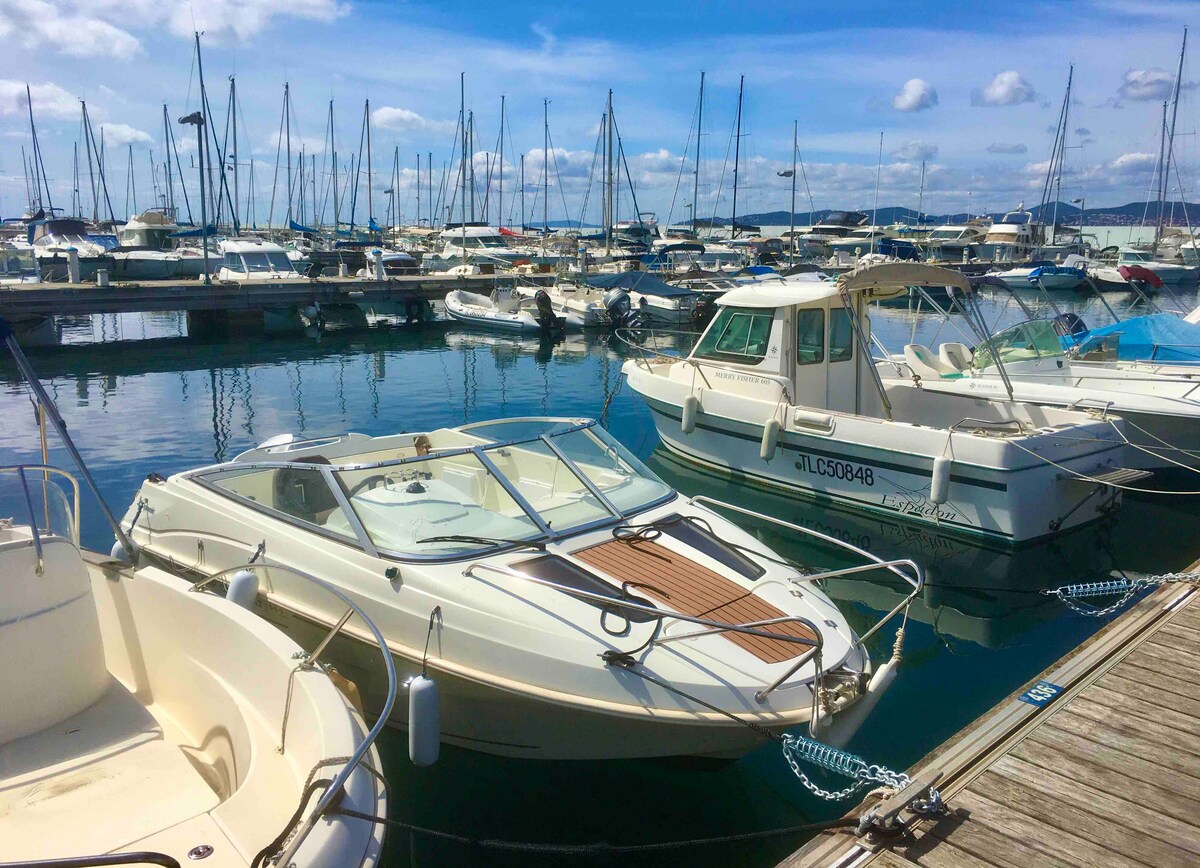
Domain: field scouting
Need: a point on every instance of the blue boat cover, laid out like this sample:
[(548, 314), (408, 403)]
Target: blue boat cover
[(209, 230), (899, 248), (637, 281), (296, 227), (373, 226), (1160, 337)]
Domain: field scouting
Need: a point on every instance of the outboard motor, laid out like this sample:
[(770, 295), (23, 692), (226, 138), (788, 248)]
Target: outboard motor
[(1068, 325), (620, 309), (546, 317), (703, 310)]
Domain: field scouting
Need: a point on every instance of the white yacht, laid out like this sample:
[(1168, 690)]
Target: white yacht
[(53, 239), (781, 389), (862, 240), (1013, 237), (1172, 272), (835, 226), (535, 570), (473, 244), (1159, 405), (955, 242), (252, 259)]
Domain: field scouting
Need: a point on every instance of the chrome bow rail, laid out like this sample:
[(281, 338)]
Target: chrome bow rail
[(332, 793), (905, 568)]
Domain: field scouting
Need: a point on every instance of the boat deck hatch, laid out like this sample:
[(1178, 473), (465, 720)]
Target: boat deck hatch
[(693, 589)]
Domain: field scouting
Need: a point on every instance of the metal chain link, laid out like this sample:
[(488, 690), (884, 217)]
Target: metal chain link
[(1070, 593), (840, 761)]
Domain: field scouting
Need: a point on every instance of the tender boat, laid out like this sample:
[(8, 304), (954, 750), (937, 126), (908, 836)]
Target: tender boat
[(781, 389), (1044, 274), (1160, 406), (569, 603), (145, 723), (580, 306), (505, 311)]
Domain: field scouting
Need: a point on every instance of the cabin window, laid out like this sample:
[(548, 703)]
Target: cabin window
[(233, 262), (841, 337), (810, 336), (738, 334)]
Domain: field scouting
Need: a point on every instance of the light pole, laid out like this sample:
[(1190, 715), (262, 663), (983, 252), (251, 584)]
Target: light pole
[(197, 119)]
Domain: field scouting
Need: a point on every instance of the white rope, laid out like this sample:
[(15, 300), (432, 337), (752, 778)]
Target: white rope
[(1097, 481)]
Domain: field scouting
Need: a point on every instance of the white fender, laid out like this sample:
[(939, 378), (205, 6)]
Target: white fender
[(691, 408), (837, 730), (770, 439), (939, 485), (243, 589), (424, 721)]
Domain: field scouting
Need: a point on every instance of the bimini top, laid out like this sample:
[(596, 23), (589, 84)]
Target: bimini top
[(882, 280)]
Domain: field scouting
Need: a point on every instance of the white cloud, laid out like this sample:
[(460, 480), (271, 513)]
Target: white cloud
[(49, 100), (407, 120), (1133, 164), (916, 95), (1007, 88), (119, 135), (1144, 85), (544, 33), (40, 25), (915, 150), (244, 19), (1001, 148)]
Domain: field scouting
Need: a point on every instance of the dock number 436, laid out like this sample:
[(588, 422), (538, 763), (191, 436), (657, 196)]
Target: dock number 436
[(1041, 693)]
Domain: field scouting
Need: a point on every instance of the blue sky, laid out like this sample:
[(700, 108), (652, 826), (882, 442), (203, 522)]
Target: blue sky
[(974, 89)]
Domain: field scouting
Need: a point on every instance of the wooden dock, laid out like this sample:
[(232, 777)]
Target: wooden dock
[(1096, 762), (75, 299)]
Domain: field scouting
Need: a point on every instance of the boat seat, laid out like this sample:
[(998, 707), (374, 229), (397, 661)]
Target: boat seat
[(957, 356), (96, 782), (923, 363)]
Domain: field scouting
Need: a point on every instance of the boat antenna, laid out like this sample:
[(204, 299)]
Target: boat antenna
[(737, 151)]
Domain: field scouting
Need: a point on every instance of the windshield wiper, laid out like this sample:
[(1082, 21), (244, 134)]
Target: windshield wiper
[(540, 545)]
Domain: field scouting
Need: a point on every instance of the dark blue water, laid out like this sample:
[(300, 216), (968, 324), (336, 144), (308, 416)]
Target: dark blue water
[(140, 396)]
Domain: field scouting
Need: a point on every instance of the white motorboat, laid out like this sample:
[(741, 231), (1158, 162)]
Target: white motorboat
[(145, 723), (956, 243), (1044, 274), (537, 571), (1012, 238), (1160, 405), (504, 311), (55, 239), (1170, 272), (252, 259), (781, 389), (156, 231), (580, 306), (473, 243)]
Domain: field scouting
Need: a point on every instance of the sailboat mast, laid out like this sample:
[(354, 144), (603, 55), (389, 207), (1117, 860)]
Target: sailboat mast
[(204, 140), (522, 194), (471, 157), (608, 175), (737, 154), (696, 173), (878, 174), (921, 196), (1062, 151), (167, 165), (333, 151), (39, 166), (429, 171), (500, 190), (1170, 138), (370, 199), (545, 169), (1162, 177), (418, 188), (76, 208), (287, 126), (87, 146), (462, 116), (236, 189), (792, 209)]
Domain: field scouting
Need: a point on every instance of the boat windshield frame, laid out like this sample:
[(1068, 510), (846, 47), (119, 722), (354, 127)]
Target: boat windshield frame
[(545, 533), (1043, 328)]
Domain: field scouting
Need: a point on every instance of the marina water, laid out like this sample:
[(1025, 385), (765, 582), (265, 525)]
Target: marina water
[(140, 396)]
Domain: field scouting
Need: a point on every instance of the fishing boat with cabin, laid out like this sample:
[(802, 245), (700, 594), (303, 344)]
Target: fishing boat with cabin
[(781, 389)]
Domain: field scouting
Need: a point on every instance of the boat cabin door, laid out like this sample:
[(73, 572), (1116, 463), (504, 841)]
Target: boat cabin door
[(826, 373)]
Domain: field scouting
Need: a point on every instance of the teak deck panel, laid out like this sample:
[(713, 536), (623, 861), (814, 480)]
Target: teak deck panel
[(1107, 773), (693, 589)]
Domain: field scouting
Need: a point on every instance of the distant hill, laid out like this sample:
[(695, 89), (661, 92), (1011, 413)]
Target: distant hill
[(1118, 215)]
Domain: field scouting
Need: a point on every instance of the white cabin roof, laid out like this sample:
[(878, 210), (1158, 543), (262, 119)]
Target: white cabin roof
[(877, 281), (250, 246)]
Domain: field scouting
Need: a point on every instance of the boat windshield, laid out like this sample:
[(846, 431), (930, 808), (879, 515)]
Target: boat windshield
[(494, 484), (263, 261), (946, 234), (1027, 341), (18, 261), (1135, 256), (483, 242)]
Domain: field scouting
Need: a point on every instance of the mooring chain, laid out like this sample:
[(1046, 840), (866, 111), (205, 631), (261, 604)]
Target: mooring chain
[(1127, 588)]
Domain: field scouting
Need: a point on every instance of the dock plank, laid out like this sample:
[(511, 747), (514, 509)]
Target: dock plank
[(888, 859), (1146, 833), (1121, 736), (1180, 671), (1029, 839), (958, 841), (1172, 650), (1185, 746), (1188, 634), (1152, 688), (1151, 712), (1132, 767)]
